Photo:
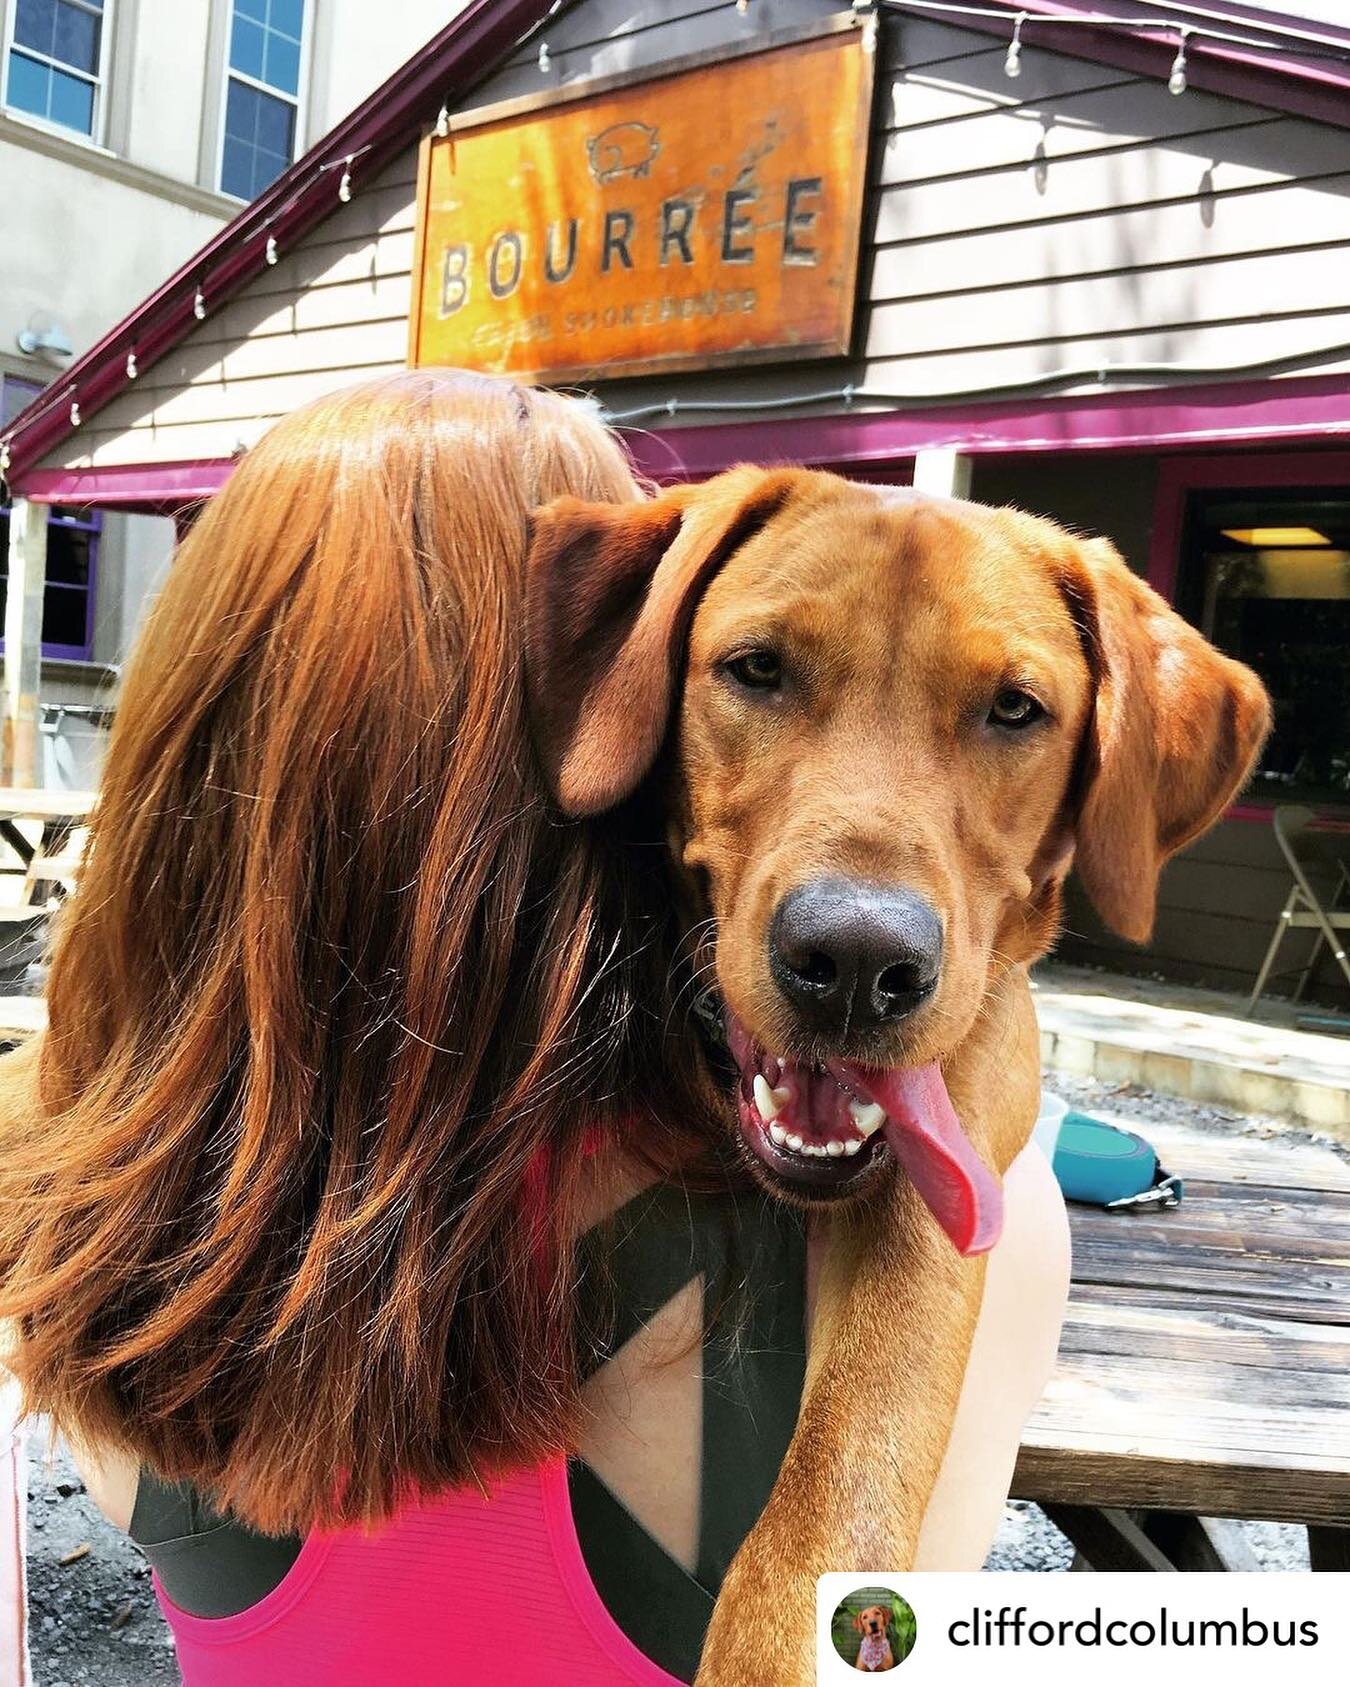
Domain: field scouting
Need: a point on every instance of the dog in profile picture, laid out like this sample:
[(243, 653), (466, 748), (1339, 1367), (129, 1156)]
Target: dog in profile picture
[(873, 1630), (874, 1650)]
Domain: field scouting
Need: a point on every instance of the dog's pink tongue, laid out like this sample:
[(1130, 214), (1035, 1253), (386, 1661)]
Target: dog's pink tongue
[(925, 1135)]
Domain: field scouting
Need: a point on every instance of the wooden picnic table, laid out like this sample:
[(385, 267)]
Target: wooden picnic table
[(1204, 1370)]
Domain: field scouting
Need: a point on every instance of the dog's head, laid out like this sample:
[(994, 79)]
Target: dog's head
[(872, 1620), (894, 722)]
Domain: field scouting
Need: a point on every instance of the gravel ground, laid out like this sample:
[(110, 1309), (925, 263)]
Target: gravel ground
[(94, 1620)]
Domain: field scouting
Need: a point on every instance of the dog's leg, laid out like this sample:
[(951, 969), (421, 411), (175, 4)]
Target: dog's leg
[(875, 1418)]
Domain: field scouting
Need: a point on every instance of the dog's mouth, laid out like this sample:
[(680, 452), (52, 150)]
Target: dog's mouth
[(822, 1131)]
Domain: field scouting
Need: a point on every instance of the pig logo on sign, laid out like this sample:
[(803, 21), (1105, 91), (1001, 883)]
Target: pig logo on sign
[(624, 149)]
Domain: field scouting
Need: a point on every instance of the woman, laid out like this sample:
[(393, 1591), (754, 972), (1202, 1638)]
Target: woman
[(350, 1039)]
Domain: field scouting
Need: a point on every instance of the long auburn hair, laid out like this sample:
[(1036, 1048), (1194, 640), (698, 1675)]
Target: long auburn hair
[(288, 1188)]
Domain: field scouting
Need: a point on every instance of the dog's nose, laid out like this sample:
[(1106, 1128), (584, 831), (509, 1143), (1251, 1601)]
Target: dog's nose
[(853, 957)]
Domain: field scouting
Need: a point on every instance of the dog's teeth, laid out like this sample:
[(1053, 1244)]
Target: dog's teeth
[(867, 1116), (769, 1107), (834, 1148), (853, 1144), (795, 1144), (778, 1134)]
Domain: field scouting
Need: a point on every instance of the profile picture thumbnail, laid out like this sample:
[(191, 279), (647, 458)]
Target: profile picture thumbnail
[(873, 1629)]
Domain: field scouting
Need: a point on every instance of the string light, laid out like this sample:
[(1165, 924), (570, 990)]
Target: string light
[(132, 370), (74, 412), (345, 185), (199, 304), (1012, 65), (4, 459), (1176, 82), (443, 122), (271, 249), (544, 60)]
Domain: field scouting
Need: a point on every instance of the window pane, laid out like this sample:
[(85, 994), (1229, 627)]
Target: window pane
[(65, 614), (77, 38), (28, 85), (35, 25), (241, 111), (276, 127), (287, 16), (256, 9), (236, 169), (14, 395), (72, 102), (67, 556), (247, 44), (283, 63), (1271, 585)]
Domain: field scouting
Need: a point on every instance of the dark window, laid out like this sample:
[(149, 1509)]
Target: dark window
[(1266, 576), (54, 60), (262, 92), (72, 557)]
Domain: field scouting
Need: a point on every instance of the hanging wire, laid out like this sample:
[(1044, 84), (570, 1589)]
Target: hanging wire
[(1286, 40)]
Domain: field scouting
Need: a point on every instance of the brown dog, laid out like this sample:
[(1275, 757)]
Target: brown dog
[(874, 1649), (892, 723)]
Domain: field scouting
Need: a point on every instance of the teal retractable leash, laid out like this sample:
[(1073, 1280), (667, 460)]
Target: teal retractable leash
[(1106, 1167)]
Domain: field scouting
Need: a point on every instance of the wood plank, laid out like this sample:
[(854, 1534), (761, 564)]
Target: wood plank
[(1269, 152), (989, 137), (1133, 1324), (1138, 299), (1113, 238), (1089, 1474), (1281, 1161)]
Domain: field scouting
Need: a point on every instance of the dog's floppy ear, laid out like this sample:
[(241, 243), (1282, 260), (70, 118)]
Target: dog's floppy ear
[(1175, 729), (858, 1622), (610, 592)]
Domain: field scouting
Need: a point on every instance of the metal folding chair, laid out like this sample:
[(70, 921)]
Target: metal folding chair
[(1316, 900)]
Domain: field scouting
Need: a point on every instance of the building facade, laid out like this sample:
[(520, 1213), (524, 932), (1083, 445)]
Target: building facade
[(130, 132), (1100, 277)]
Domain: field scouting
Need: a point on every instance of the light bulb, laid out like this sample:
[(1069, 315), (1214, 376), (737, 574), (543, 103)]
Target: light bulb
[(442, 122), (75, 413), (345, 185), (132, 370), (544, 60), (1176, 82), (1012, 65), (199, 305)]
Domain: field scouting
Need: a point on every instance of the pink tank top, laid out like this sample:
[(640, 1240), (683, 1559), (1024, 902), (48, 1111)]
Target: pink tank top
[(456, 1592)]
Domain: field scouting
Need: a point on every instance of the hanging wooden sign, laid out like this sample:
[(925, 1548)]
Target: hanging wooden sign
[(707, 216)]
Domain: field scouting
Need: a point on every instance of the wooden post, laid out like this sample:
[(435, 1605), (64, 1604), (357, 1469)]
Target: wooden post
[(943, 472), (23, 641)]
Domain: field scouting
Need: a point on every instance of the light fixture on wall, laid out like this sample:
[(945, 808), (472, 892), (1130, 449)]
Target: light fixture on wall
[(443, 122), (44, 337)]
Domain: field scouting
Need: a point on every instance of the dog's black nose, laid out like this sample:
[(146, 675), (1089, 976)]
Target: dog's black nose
[(851, 956)]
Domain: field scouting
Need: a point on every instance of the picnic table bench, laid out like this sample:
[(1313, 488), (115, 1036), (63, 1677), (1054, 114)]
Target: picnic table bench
[(1204, 1370)]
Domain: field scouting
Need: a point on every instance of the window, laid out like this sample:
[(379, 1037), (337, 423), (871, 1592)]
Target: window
[(54, 64), (262, 94), (1266, 576), (72, 557)]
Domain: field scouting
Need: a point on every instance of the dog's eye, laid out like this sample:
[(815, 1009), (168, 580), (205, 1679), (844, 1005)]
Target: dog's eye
[(756, 670), (1015, 709)]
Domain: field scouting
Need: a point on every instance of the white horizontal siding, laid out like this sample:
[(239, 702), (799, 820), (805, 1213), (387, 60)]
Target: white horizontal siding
[(1075, 217)]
